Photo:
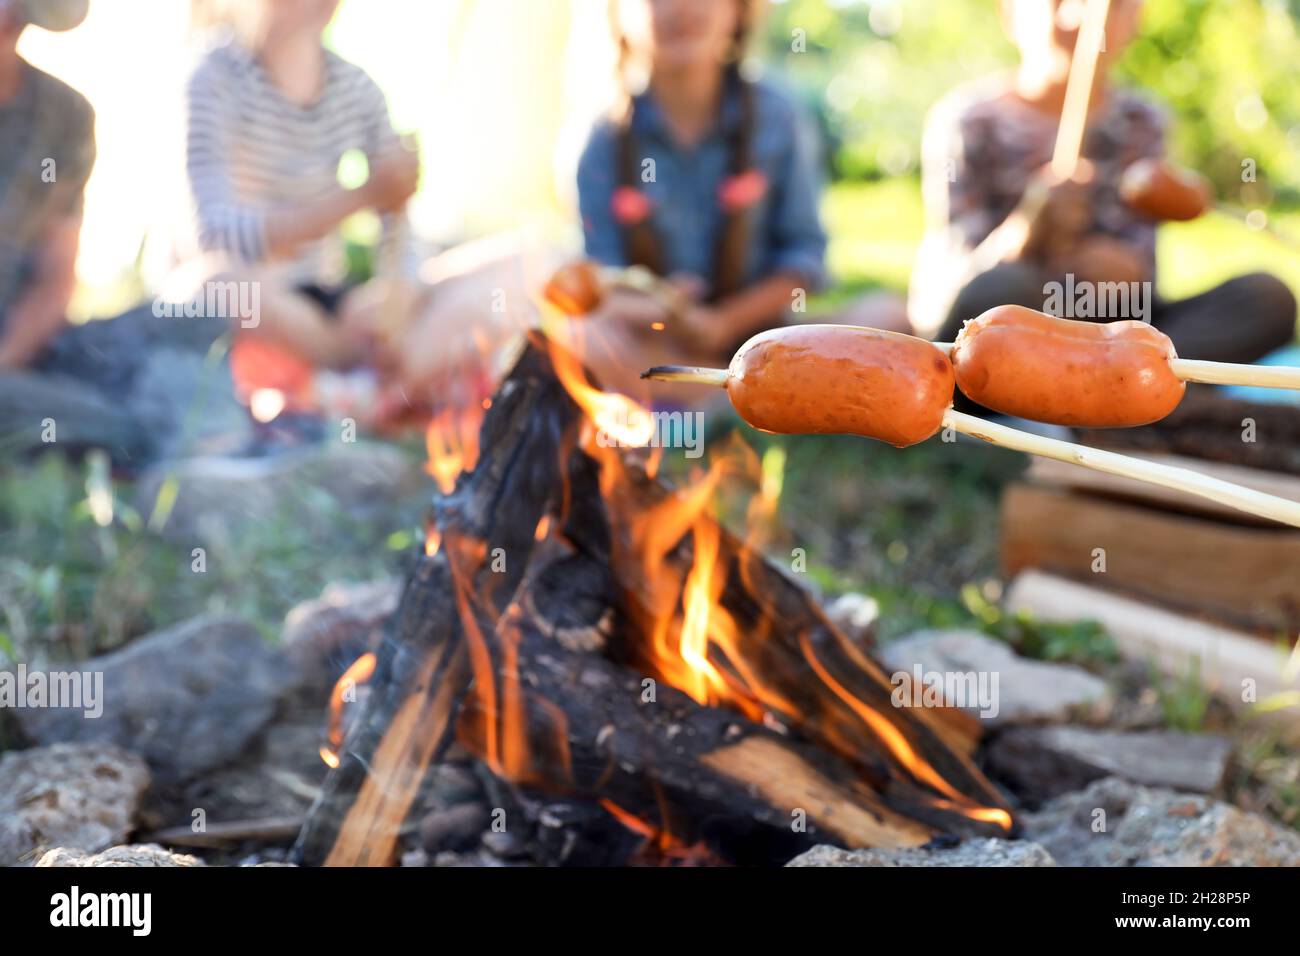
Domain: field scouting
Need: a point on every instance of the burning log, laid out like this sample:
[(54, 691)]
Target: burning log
[(576, 723), (809, 675), (541, 627), (423, 669)]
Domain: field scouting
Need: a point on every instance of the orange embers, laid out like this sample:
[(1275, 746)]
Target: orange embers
[(358, 672), (660, 848)]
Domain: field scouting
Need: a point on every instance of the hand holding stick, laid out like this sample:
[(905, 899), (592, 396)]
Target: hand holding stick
[(579, 288)]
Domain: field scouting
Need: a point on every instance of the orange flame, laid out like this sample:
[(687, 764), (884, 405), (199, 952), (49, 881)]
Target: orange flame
[(358, 672), (619, 420), (660, 846), (451, 439)]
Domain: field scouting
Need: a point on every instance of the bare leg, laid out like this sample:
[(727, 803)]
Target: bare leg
[(284, 317), (480, 297)]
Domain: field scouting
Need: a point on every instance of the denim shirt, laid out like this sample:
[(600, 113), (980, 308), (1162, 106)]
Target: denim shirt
[(786, 234)]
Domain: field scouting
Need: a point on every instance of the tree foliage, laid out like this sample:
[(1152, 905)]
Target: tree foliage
[(1226, 69)]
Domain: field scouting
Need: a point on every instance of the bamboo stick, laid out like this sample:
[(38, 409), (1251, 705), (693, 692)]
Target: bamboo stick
[(1180, 479), (1226, 373), (1078, 90), (1189, 370)]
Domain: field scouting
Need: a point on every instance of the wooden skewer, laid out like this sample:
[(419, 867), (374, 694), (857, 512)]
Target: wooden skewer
[(1226, 373), (1078, 89), (1168, 476), (1181, 479)]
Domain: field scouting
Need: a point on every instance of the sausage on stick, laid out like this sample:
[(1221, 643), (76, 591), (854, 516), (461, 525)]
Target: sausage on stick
[(1085, 374), (1165, 194), (895, 388)]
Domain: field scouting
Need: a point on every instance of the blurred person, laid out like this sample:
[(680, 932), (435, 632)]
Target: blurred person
[(705, 177), (47, 149), (1000, 226), (270, 114)]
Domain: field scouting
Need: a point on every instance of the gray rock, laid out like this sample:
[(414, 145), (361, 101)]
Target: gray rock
[(1028, 691), (987, 852), (70, 795), (218, 498), (187, 699), (189, 403), (325, 635), (1039, 763), (505, 844), (1147, 826), (454, 828), (856, 615), (138, 854), (82, 417)]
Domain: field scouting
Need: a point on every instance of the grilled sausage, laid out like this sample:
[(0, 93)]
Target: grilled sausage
[(838, 379), (576, 288), (1085, 374), (1165, 194)]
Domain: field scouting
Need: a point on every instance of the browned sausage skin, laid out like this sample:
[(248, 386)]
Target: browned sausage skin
[(1084, 374), (576, 288), (1165, 194), (840, 379)]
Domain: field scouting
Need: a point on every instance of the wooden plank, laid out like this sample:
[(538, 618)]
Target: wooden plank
[(1226, 658), (1244, 576), (1047, 471)]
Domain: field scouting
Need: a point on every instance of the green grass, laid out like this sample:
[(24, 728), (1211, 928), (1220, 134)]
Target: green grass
[(71, 588)]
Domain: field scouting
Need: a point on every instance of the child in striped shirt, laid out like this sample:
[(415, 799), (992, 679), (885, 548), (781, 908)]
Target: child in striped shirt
[(270, 114)]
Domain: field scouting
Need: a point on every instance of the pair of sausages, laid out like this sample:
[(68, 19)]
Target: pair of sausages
[(829, 379)]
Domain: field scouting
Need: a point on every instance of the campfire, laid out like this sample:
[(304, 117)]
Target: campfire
[(602, 643)]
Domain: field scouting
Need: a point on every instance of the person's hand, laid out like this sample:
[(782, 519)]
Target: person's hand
[(394, 177), (1104, 259), (1056, 211), (703, 329), (689, 286), (634, 312)]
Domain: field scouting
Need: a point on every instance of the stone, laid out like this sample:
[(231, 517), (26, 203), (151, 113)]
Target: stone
[(188, 699), (140, 854), (456, 828), (1155, 826), (856, 615), (81, 417), (218, 498), (505, 844), (986, 852), (77, 796), (1028, 691), (1039, 763), (189, 404), (323, 636)]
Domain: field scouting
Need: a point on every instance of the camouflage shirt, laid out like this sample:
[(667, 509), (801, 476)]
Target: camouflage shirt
[(47, 149), (981, 148)]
